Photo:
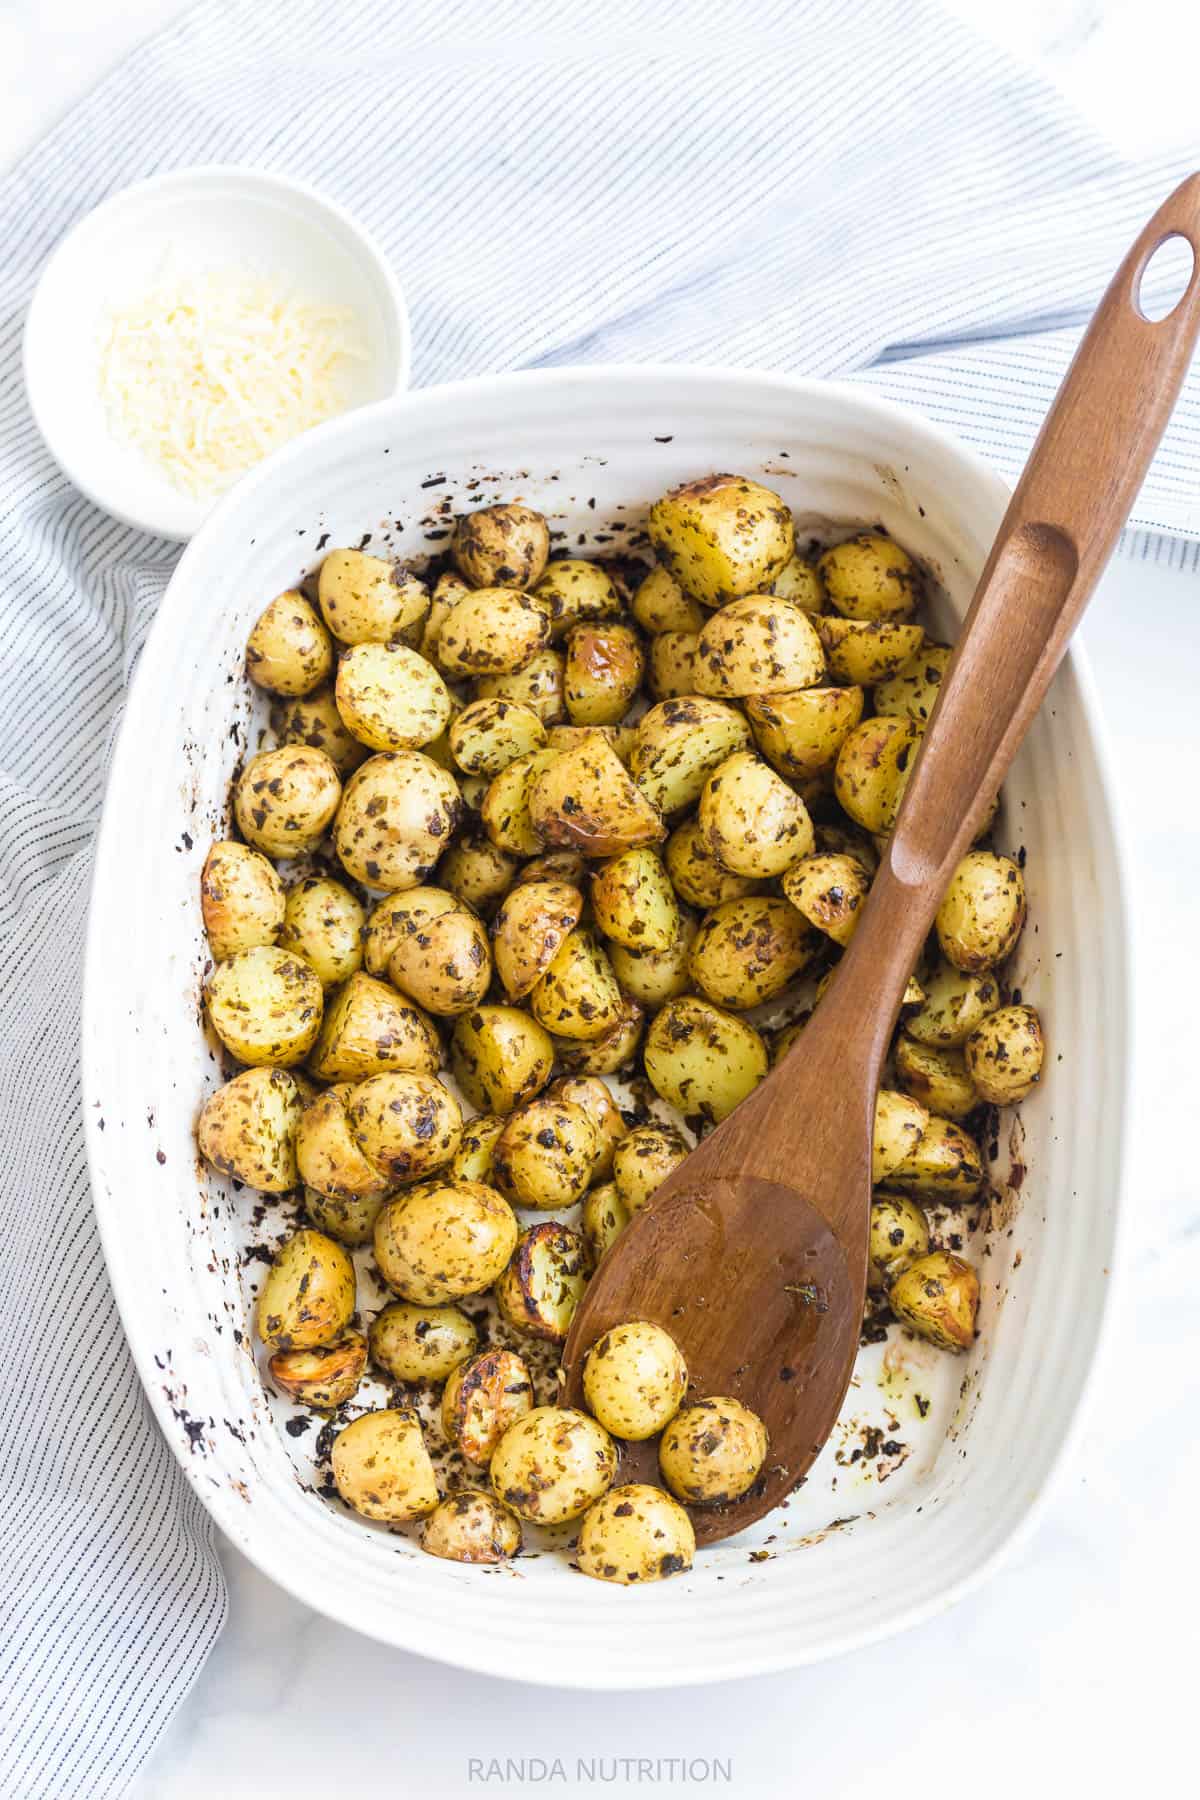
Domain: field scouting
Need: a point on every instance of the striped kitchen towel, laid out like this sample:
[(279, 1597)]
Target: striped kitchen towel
[(841, 187)]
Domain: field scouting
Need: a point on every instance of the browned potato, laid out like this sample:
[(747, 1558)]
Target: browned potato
[(652, 977), (501, 546), (911, 693), (899, 1235), (248, 1129), (444, 1239), (552, 1464), (603, 1219), (800, 734), (506, 809), (873, 767), (324, 923), (900, 1124), (660, 604), (747, 951), (722, 536), (481, 1399), (1005, 1054), (982, 911), (758, 645), (398, 813), (567, 737), (543, 1284), (265, 1006), (382, 1469), (448, 590), (314, 719), (440, 957), (954, 1004), (938, 1297), (324, 1378), (593, 1096), (477, 871), (870, 577), (532, 924), (573, 591), (695, 872), (406, 1125), (752, 821), (702, 1060), (586, 801), (578, 996), (937, 1078), (421, 1343), (603, 672), (285, 799), (391, 698), (471, 1527), (867, 651), (500, 1057), (328, 1157), (678, 745), (945, 1166), (829, 890), (368, 1028), (307, 1298), (671, 661), (489, 734), (643, 1160), (494, 631), (605, 1055), (241, 900), (368, 600), (543, 1157), (539, 686), (289, 651), (634, 902)]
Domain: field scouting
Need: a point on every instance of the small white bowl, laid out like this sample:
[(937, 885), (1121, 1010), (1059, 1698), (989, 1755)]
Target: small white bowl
[(202, 218)]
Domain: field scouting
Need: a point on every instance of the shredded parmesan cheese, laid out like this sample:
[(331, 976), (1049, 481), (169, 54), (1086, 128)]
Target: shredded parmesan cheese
[(206, 374)]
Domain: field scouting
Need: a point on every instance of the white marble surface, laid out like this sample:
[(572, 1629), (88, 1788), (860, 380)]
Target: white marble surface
[(1075, 1667)]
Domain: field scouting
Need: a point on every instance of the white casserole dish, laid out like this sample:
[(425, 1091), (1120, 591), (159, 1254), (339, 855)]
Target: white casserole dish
[(952, 1455)]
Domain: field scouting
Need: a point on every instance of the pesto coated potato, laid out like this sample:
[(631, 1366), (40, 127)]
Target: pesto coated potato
[(944, 1166), (982, 911), (659, 604), (241, 900), (758, 645), (604, 667), (678, 745), (307, 1298), (323, 1378), (502, 546), (247, 1129), (594, 1098), (955, 1003), (713, 1451), (898, 1236), (586, 800), (871, 577), (538, 685), (799, 583), (652, 977), (938, 1297), (634, 1379), (572, 591), (390, 697), (722, 536), (500, 1057), (472, 1161), (313, 719), (911, 693), (471, 1527), (506, 806), (695, 873), (328, 1157), (609, 1054), (828, 889), (643, 1160), (397, 814), (489, 734), (635, 1533), (552, 1464), (634, 902), (421, 1343), (367, 600), (752, 821), (671, 661), (367, 1028), (1004, 1055), (477, 871), (323, 922), (406, 1125), (603, 1219), (440, 955), (289, 651), (937, 1077), (544, 1282), (382, 1469), (900, 1125), (265, 1006), (801, 733), (444, 1239), (747, 951), (481, 1399), (349, 1219), (872, 770), (533, 923), (494, 631), (578, 996), (702, 1060), (285, 799), (544, 1155)]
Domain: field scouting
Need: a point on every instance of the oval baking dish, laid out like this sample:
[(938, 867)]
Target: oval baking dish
[(937, 1462)]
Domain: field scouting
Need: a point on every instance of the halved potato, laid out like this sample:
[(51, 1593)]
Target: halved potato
[(489, 734), (603, 672), (248, 1129), (702, 1060), (493, 631), (578, 996), (873, 769), (314, 719), (323, 922), (285, 799), (758, 645), (659, 604), (442, 1240), (506, 809), (652, 977), (871, 577), (911, 693), (307, 1298), (323, 1378), (644, 1159), (328, 1157), (634, 902), (696, 874), (800, 734), (900, 1125), (938, 1078), (407, 1126), (867, 652), (289, 651), (752, 821), (572, 590), (543, 1284), (945, 1165), (722, 536), (421, 1343), (368, 1027), (500, 1057), (481, 1399), (390, 697), (747, 951), (398, 813), (367, 600), (678, 745), (608, 1122), (538, 685), (609, 1054), (586, 800), (241, 900), (532, 924), (545, 1153), (829, 889), (501, 546), (671, 660), (265, 1006)]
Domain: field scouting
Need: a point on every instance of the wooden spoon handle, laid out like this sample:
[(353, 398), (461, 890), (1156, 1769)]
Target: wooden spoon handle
[(1083, 475)]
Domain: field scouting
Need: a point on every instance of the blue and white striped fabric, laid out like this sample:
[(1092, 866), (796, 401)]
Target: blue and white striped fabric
[(834, 186)]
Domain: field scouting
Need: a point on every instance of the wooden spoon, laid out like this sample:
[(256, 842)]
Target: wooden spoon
[(753, 1253)]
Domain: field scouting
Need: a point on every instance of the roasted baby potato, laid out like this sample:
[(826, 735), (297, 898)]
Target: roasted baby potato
[(643, 1160), (472, 1161), (695, 873), (572, 591), (937, 1077), (873, 767), (678, 745), (982, 911), (500, 1057), (758, 645), (829, 890), (314, 719), (652, 977), (702, 1060), (634, 1379), (366, 600), (945, 1165), (489, 734), (289, 651), (578, 996), (501, 546), (241, 900), (505, 810), (398, 813), (911, 693), (800, 584), (307, 1298), (477, 871), (324, 924), (328, 1157), (867, 652), (471, 1527), (1004, 1055), (603, 1219), (713, 1451), (899, 1235), (494, 631), (604, 668), (545, 1154), (671, 662), (284, 799), (265, 1006), (938, 1297), (659, 604), (900, 1124), (801, 733), (481, 1399), (955, 1003), (248, 1129), (870, 577), (324, 1378), (543, 1284), (381, 1467), (605, 1055), (368, 1028), (552, 1464), (634, 902), (421, 1343), (533, 923), (350, 1221), (538, 685), (391, 698), (722, 536), (635, 1533), (594, 1098), (407, 1126), (444, 1239), (585, 800), (440, 955), (751, 820), (747, 951)]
